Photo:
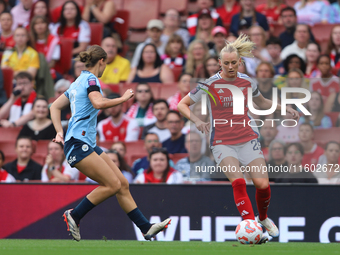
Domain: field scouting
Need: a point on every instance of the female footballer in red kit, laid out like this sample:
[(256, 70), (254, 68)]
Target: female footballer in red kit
[(235, 144)]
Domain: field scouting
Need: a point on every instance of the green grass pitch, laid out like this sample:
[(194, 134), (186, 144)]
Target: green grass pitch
[(102, 247)]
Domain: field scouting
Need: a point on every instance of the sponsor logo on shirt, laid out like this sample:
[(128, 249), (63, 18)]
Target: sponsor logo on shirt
[(92, 82)]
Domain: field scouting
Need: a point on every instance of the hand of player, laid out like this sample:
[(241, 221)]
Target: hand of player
[(203, 127), (128, 94), (295, 114), (59, 138)]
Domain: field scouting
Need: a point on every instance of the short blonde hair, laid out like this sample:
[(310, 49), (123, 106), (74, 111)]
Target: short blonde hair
[(243, 47)]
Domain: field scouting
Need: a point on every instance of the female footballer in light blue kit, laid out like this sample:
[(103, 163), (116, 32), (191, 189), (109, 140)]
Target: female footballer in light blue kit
[(85, 98)]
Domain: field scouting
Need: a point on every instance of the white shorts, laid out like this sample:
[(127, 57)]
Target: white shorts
[(244, 152)]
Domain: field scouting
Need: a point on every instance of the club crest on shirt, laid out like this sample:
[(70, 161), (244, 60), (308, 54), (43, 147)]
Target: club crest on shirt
[(85, 147), (92, 82)]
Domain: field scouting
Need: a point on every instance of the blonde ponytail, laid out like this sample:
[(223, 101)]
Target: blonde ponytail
[(242, 46)]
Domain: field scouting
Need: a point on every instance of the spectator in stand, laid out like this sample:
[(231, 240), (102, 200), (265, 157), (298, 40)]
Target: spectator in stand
[(172, 26), (333, 103), (250, 17), (6, 36), (333, 48), (142, 107), (18, 108), (117, 68), (228, 10), (39, 8), (297, 173), (291, 62), (120, 147), (41, 127), (23, 168), (4, 6), (299, 46), (120, 163), (276, 158), (187, 166), (159, 170), (335, 12), (151, 141), (265, 73), (219, 35), (4, 175), (154, 31), (312, 151), (160, 109), (312, 11), (72, 26), (45, 43), (183, 89), (101, 11), (78, 66), (290, 132), (56, 168), (192, 19), (268, 133), (274, 49), (175, 144), (174, 56), (22, 57), (312, 54), (329, 161), (118, 127), (289, 21), (258, 36), (59, 88), (150, 68), (198, 52), (271, 10), (296, 79), (21, 13), (315, 106), (205, 25), (329, 83), (3, 96), (211, 67)]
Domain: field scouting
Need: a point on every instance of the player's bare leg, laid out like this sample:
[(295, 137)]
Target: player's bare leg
[(241, 197), (263, 194), (128, 204), (94, 167)]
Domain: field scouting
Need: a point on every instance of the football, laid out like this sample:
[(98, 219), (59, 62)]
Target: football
[(248, 232)]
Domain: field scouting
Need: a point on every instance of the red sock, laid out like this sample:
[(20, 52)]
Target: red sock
[(262, 200), (242, 200)]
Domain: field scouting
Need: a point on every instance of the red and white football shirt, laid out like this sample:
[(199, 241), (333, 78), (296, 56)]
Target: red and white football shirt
[(325, 87), (220, 107), (126, 130), (80, 34), (313, 156)]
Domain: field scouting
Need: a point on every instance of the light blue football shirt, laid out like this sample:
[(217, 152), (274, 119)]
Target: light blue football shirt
[(83, 123)]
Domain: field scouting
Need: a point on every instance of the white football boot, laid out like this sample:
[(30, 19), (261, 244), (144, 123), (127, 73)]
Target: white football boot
[(269, 226), (71, 225), (156, 228)]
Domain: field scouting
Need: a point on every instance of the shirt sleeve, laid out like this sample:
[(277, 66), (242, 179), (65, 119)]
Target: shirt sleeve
[(84, 32), (92, 84), (72, 172), (254, 87), (44, 177), (196, 93), (175, 178), (139, 178), (56, 53), (132, 132), (35, 60)]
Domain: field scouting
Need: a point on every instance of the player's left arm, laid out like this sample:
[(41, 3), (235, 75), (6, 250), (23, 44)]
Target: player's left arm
[(266, 104)]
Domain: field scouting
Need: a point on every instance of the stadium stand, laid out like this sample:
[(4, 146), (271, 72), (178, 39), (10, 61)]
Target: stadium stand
[(8, 74), (96, 32)]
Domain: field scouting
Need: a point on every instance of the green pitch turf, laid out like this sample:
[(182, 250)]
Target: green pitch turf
[(102, 247)]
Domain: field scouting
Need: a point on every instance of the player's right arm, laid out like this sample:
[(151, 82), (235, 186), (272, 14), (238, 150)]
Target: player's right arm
[(59, 104), (183, 108), (100, 102)]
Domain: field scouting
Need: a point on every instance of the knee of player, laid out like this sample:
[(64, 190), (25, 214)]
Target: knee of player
[(261, 183), (115, 186)]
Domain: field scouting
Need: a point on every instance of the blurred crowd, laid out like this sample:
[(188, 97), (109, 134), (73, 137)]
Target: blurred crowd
[(297, 45)]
